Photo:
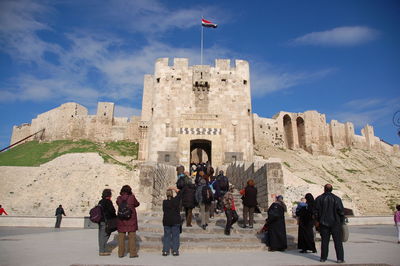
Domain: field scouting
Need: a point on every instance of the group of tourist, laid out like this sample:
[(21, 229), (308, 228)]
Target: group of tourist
[(213, 194), (125, 222)]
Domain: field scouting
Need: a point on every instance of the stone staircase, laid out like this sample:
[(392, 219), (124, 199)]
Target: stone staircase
[(193, 239)]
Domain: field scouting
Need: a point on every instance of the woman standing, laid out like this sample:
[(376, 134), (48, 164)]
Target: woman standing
[(276, 240), (249, 203), (171, 222), (108, 214), (397, 222), (127, 201), (306, 224)]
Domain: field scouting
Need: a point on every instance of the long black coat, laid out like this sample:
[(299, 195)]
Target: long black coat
[(188, 196), (171, 214), (276, 236), (108, 209), (306, 224), (250, 196)]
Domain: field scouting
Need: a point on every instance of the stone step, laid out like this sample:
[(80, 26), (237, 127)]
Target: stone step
[(153, 243), (259, 220), (217, 228)]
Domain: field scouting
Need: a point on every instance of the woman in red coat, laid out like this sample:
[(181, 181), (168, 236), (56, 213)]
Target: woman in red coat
[(127, 204)]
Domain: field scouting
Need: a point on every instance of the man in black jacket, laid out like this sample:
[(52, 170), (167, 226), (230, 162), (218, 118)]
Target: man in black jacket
[(329, 213)]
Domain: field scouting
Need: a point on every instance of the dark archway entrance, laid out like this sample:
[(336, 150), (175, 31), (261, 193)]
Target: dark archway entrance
[(200, 151), (301, 132), (287, 125)]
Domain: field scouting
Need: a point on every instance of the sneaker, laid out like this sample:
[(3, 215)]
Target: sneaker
[(244, 226), (322, 260), (340, 261), (175, 253), (134, 256), (189, 225), (164, 253), (227, 233), (250, 226), (204, 226)]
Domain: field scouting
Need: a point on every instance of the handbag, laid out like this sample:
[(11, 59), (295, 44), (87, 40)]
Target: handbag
[(345, 232), (111, 225)]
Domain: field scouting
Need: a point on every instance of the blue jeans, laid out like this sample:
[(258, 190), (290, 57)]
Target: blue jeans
[(171, 238)]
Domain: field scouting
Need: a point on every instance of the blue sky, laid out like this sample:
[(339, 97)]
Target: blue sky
[(341, 58)]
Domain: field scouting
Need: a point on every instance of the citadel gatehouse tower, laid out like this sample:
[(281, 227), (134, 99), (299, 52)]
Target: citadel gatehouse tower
[(196, 112)]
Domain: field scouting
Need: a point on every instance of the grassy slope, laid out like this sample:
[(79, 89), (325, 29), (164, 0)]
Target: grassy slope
[(34, 153)]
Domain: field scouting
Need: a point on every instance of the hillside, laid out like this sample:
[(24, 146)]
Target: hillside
[(34, 153), (368, 182)]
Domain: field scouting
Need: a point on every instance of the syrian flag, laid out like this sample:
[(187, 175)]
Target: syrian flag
[(208, 24)]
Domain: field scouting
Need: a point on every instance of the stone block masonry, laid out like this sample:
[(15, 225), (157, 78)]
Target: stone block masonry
[(268, 178), (71, 121)]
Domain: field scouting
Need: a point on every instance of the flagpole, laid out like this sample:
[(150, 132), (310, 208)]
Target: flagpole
[(201, 49)]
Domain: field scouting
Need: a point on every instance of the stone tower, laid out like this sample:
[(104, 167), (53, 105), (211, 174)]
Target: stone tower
[(191, 110)]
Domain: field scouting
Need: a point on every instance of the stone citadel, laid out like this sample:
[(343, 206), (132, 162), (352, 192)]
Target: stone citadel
[(190, 108), (191, 114)]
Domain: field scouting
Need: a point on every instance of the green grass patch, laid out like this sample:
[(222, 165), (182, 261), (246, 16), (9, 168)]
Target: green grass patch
[(309, 181), (287, 164), (353, 171), (34, 153)]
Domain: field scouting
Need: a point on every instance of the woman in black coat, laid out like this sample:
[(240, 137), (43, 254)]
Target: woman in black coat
[(249, 203), (171, 222), (306, 224), (188, 202), (108, 214), (276, 236)]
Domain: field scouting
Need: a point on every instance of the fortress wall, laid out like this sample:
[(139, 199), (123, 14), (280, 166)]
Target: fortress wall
[(337, 134), (71, 121), (266, 131), (20, 132)]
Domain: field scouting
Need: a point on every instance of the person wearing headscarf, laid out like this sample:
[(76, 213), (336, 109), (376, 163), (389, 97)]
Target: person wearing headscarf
[(276, 236), (306, 223)]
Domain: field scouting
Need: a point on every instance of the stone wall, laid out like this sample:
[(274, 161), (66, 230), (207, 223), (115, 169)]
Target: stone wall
[(268, 177), (71, 121), (309, 131), (154, 180)]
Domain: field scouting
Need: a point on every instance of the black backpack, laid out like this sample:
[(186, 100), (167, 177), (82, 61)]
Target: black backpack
[(223, 183), (206, 193), (124, 212)]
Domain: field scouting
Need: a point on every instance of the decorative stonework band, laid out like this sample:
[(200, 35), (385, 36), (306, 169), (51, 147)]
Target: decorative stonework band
[(200, 131)]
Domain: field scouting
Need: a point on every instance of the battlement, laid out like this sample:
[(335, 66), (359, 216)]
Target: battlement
[(163, 64)]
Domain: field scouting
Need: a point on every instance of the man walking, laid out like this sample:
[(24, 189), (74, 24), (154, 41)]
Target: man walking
[(59, 213), (329, 214)]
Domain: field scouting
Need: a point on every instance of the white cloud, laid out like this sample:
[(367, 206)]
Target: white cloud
[(368, 111), (267, 79), (341, 36)]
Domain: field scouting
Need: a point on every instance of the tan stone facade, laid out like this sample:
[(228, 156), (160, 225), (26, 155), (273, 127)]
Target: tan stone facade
[(71, 121), (197, 107)]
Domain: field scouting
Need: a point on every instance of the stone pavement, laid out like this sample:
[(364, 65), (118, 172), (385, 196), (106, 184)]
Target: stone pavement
[(368, 245)]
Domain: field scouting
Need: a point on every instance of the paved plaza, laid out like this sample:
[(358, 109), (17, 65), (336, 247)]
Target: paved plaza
[(47, 246)]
